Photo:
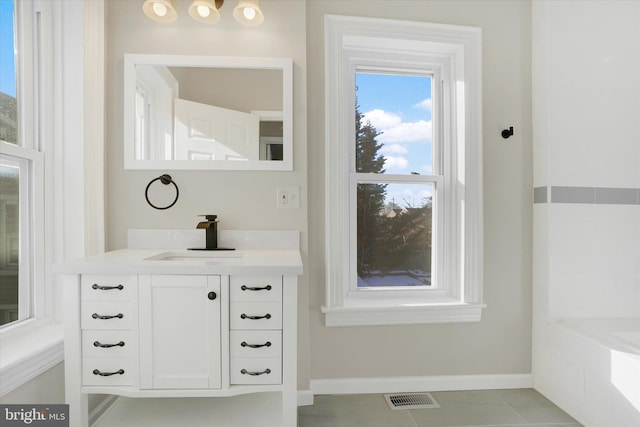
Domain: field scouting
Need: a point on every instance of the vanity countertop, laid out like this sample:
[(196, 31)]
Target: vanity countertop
[(172, 261)]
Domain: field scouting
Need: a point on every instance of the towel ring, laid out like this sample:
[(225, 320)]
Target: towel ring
[(166, 180)]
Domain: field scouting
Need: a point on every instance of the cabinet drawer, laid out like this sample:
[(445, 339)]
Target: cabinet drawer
[(114, 370), (252, 370), (256, 344), (107, 343), (108, 288), (256, 288), (256, 315), (107, 315)]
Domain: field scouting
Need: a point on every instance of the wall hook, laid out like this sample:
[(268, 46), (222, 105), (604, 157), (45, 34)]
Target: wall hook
[(507, 132)]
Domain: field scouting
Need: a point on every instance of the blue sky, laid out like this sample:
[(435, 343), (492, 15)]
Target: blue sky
[(400, 107), (7, 67)]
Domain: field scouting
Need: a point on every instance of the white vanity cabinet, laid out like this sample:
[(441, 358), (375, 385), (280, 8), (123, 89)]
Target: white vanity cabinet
[(223, 335), (180, 332)]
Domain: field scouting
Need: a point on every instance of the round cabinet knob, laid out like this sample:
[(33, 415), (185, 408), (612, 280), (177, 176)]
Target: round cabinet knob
[(212, 296)]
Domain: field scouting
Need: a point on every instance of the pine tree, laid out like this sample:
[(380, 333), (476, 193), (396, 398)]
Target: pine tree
[(370, 197), (407, 237)]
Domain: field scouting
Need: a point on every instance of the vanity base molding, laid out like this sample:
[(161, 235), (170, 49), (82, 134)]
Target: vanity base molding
[(232, 391)]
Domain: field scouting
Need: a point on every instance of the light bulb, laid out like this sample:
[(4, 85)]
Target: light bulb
[(159, 9), (204, 11), (249, 13)]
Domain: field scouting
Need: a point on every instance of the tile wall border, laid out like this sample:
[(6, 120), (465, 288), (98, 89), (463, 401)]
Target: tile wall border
[(587, 195)]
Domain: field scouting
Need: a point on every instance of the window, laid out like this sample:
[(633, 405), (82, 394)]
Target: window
[(404, 179), (156, 88), (394, 181), (9, 173), (21, 167)]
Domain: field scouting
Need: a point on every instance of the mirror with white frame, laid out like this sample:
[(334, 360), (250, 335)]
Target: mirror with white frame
[(207, 112)]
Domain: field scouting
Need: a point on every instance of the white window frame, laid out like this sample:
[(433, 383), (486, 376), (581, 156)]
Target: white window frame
[(28, 156), (63, 143), (454, 54)]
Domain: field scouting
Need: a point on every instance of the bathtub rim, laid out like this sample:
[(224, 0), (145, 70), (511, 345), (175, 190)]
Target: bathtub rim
[(603, 331)]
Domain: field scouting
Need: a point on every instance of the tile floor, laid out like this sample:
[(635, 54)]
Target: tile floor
[(503, 408)]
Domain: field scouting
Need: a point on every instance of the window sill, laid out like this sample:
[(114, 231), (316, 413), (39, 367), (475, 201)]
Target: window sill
[(370, 313), (28, 350)]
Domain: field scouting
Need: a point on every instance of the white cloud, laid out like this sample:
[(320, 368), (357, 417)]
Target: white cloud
[(419, 131), (395, 131), (381, 119), (425, 104), (394, 149), (393, 163), (426, 169), (422, 195)]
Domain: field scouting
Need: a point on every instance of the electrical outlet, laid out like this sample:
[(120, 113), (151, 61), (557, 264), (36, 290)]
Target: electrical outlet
[(288, 196)]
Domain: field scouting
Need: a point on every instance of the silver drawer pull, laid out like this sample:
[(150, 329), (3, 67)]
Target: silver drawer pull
[(99, 344), (266, 316), (244, 344), (108, 374), (101, 317), (245, 372), (106, 288), (250, 288)]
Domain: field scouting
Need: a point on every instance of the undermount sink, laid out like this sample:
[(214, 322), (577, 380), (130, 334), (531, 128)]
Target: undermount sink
[(198, 256)]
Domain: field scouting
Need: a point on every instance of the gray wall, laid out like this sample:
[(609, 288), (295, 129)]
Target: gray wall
[(501, 342)]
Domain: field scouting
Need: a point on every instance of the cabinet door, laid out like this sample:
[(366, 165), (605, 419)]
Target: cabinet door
[(180, 332)]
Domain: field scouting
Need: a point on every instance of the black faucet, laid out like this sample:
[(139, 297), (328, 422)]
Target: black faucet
[(210, 224), (211, 227)]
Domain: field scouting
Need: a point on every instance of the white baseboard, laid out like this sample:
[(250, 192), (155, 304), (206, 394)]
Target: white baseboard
[(419, 384)]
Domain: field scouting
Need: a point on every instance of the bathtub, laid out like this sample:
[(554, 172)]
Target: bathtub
[(621, 334), (591, 369)]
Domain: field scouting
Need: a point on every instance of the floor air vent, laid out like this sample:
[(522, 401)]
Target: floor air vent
[(411, 401)]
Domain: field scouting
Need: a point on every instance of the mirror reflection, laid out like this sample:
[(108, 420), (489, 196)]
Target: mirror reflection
[(196, 113), (205, 116)]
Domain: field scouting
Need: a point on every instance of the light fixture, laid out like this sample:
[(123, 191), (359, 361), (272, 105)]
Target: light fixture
[(205, 11), (248, 12), (160, 10)]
